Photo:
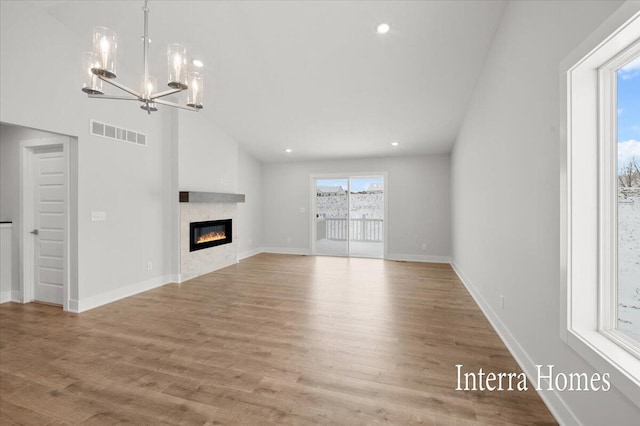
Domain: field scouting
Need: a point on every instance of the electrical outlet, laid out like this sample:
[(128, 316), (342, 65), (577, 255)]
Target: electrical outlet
[(302, 210), (424, 246), (288, 240), (149, 266), (501, 302)]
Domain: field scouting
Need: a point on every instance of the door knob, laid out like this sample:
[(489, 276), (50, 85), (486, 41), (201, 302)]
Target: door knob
[(34, 232)]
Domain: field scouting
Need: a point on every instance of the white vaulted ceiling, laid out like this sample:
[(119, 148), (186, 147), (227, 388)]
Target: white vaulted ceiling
[(314, 76)]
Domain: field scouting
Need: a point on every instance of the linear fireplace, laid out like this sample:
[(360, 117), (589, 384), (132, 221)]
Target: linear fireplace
[(208, 234)]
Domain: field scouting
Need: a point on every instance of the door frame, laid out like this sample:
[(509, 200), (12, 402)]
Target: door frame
[(348, 176), (28, 149)]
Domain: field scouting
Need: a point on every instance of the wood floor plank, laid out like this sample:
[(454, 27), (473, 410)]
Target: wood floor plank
[(275, 339)]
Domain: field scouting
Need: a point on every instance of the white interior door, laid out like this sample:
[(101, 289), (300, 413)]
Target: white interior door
[(49, 223)]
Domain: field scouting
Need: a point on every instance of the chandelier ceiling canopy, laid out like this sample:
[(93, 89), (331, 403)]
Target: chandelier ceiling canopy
[(99, 66)]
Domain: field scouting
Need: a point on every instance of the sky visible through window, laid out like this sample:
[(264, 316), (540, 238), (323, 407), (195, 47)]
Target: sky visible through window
[(629, 113), (357, 184), (628, 208)]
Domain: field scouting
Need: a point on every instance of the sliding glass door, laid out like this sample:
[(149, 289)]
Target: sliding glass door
[(366, 216), (349, 216), (331, 216)]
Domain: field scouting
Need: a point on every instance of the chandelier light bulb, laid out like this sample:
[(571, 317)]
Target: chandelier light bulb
[(383, 28), (149, 84), (104, 47)]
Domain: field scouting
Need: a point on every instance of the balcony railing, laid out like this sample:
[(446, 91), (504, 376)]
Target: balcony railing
[(362, 229)]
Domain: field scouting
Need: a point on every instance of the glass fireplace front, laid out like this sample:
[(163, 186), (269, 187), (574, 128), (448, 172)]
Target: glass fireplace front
[(209, 234)]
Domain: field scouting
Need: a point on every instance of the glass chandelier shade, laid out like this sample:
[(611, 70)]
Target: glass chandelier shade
[(177, 61), (105, 46), (194, 95), (148, 86), (91, 84)]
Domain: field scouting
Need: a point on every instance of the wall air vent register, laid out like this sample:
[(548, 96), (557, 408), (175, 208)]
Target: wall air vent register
[(109, 131)]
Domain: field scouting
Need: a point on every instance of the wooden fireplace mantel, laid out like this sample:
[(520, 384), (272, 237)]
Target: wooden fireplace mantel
[(210, 197)]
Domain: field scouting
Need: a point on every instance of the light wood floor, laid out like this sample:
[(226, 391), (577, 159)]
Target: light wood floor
[(275, 339)]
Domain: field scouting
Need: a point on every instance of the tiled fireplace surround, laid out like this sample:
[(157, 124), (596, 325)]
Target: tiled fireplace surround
[(196, 263)]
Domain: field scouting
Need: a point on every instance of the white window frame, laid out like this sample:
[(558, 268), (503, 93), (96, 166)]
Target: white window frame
[(608, 188), (588, 232)]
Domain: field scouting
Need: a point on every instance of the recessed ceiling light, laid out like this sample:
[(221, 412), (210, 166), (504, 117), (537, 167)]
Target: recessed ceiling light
[(198, 63), (395, 143), (383, 28), (288, 150)]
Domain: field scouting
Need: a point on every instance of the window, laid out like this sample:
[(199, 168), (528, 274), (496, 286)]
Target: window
[(627, 182), (600, 212), (619, 195), (619, 92)]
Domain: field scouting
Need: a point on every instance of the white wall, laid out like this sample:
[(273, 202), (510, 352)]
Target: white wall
[(505, 183), (250, 221), (418, 200), (208, 156)]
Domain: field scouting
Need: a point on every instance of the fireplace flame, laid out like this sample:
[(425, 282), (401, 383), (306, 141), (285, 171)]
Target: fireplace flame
[(211, 236)]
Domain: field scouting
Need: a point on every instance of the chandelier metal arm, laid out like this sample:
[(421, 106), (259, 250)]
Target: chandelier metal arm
[(121, 87), (120, 98), (165, 93), (171, 104)]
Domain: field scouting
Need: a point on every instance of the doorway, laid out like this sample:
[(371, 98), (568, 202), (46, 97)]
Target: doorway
[(44, 193), (349, 216)]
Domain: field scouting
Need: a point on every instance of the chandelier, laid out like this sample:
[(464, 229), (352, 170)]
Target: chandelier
[(100, 65)]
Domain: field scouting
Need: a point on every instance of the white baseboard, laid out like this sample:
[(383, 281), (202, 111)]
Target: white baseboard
[(93, 302), (16, 296), (73, 306), (418, 258), (286, 250), (249, 253), (400, 257), (553, 400), (5, 296)]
